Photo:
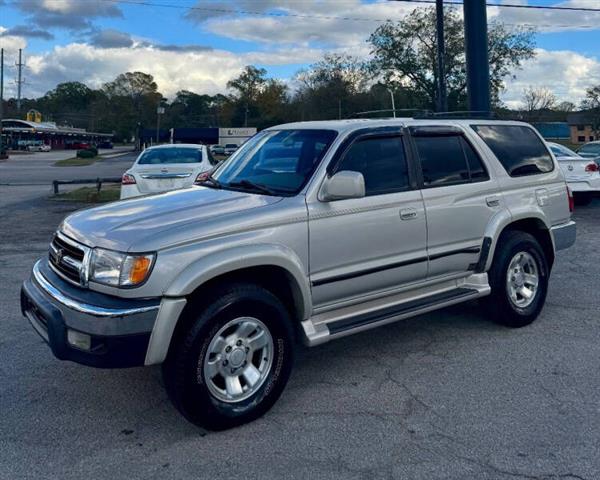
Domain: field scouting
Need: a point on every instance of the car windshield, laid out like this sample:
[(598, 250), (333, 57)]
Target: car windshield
[(276, 161), (160, 156), (562, 151), (590, 148)]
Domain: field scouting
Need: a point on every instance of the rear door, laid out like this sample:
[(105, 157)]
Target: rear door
[(459, 196)]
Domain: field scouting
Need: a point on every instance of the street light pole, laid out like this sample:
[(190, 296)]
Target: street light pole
[(159, 111), (1, 97), (393, 102)]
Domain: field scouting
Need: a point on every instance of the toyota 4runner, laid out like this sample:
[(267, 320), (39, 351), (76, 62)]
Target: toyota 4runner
[(310, 231)]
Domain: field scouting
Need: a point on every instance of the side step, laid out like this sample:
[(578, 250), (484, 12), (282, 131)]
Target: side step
[(346, 324)]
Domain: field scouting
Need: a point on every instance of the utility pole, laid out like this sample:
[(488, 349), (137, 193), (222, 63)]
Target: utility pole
[(159, 111), (393, 102), (442, 103), (476, 47), (19, 79), (246, 115)]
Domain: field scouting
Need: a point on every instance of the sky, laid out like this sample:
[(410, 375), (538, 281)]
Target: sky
[(199, 45)]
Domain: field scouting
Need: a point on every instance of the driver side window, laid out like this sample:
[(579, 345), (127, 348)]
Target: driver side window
[(382, 162)]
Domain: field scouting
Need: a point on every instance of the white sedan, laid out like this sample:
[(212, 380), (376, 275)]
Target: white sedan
[(42, 147), (166, 167), (582, 174)]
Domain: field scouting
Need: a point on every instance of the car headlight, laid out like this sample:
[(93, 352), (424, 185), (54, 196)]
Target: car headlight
[(119, 269)]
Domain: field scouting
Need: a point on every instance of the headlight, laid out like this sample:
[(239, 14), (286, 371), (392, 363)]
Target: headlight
[(119, 269)]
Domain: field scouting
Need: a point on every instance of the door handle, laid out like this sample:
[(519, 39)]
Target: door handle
[(492, 201), (408, 214)]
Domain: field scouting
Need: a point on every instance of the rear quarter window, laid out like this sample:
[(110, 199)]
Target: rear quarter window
[(518, 148)]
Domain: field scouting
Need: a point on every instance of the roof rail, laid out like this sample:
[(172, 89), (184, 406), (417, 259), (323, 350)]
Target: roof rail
[(474, 114), (392, 111)]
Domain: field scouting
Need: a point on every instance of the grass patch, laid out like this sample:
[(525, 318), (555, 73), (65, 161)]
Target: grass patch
[(91, 194), (75, 162)]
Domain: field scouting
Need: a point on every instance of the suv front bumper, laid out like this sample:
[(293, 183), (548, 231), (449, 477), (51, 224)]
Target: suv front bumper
[(84, 326)]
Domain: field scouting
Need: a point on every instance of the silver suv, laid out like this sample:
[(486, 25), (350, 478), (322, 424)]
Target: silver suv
[(310, 231)]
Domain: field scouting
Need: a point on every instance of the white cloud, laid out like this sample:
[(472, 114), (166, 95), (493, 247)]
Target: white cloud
[(545, 21), (566, 73), (330, 23)]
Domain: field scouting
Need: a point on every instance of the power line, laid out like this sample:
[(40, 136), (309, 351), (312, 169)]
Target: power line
[(511, 5), (144, 3)]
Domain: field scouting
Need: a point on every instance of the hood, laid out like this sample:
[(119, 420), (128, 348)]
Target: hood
[(123, 225)]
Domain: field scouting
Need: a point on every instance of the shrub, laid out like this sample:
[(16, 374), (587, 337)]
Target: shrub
[(86, 153), (94, 150)]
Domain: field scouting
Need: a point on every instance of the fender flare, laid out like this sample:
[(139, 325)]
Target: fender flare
[(502, 220), (237, 258)]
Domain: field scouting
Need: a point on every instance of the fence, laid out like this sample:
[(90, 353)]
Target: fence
[(97, 181)]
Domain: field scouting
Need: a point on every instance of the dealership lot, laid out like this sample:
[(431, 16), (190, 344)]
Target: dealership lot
[(446, 395)]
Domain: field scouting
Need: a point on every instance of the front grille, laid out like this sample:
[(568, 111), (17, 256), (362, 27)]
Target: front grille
[(67, 258)]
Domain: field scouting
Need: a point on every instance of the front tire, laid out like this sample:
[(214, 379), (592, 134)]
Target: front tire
[(519, 280), (234, 361)]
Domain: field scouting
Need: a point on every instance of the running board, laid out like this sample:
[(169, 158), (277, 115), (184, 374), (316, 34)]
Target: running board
[(318, 333)]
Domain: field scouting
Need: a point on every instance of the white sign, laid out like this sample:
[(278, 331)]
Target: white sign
[(160, 110), (236, 132)]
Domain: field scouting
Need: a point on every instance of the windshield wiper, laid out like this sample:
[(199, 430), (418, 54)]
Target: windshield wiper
[(257, 187), (210, 179)]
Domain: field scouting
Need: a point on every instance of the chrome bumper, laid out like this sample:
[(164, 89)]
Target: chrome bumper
[(564, 235)]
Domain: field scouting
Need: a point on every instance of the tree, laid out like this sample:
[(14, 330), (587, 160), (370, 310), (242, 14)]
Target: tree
[(333, 87), (404, 54), (129, 102), (537, 100), (565, 106), (592, 104), (249, 83)]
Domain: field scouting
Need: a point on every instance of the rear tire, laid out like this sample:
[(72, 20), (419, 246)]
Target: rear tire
[(519, 280), (233, 362)]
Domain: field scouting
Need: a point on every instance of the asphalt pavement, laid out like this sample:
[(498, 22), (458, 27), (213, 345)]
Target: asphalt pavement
[(448, 395)]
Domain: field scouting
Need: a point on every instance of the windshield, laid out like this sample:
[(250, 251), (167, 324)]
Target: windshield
[(562, 151), (280, 160), (160, 156)]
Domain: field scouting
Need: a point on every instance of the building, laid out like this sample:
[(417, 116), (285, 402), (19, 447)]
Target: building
[(581, 125), (19, 134)]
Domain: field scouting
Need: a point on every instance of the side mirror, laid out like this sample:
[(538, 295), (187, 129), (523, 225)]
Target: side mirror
[(342, 185)]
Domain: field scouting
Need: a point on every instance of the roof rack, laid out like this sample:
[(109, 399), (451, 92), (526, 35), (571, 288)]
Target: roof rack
[(412, 111), (462, 114)]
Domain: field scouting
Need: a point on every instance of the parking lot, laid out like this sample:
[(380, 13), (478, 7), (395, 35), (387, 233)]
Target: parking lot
[(448, 395)]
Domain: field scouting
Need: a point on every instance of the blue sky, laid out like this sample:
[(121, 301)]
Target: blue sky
[(200, 44)]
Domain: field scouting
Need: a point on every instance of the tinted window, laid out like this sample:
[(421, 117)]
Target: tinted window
[(519, 149), (448, 160), (382, 162), (159, 156), (281, 160)]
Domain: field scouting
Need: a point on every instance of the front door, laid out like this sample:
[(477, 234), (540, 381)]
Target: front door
[(367, 245)]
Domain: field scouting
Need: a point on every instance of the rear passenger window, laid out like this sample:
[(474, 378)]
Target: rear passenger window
[(519, 149), (448, 160), (381, 161)]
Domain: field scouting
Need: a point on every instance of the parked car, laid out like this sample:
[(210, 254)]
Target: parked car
[(590, 150), (230, 149), (312, 231), (42, 147), (217, 149), (166, 167), (106, 145), (79, 145), (582, 174)]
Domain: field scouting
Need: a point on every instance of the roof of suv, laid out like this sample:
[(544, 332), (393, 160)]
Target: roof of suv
[(352, 124)]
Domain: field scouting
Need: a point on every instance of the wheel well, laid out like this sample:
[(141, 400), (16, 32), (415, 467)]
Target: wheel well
[(537, 228), (273, 278)]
